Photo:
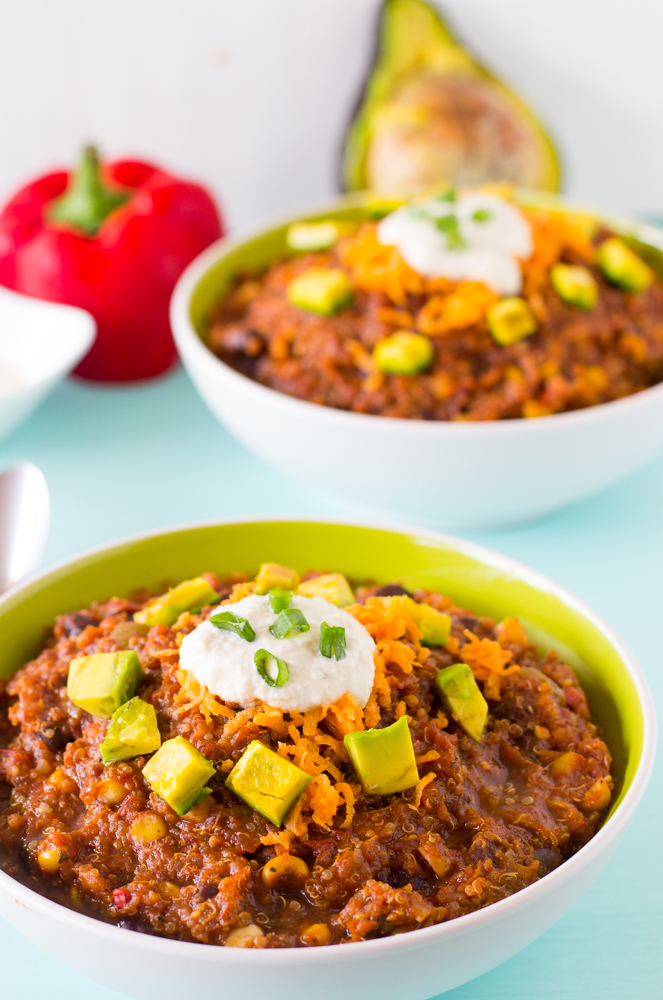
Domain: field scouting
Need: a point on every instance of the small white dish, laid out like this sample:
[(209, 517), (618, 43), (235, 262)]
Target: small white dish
[(459, 475), (40, 343)]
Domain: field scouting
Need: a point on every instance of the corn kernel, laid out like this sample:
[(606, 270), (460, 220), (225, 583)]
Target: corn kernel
[(285, 870), (112, 792), (148, 826), (50, 859)]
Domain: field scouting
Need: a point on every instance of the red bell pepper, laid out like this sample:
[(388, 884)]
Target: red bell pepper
[(114, 241)]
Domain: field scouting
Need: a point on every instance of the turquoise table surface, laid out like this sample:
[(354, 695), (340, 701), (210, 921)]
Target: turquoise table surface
[(125, 460)]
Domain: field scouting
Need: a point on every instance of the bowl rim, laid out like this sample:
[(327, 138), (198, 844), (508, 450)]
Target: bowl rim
[(610, 832), (187, 338), (83, 327)]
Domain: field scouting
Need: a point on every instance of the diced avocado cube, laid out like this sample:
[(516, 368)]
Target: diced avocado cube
[(461, 695), (267, 782), (321, 290), (191, 595), (384, 758), (434, 624), (271, 575), (102, 682), (623, 266), (177, 773), (575, 285), (309, 237), (132, 730), (404, 353), (332, 586), (511, 320)]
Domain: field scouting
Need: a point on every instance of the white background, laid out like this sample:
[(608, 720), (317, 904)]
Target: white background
[(251, 96)]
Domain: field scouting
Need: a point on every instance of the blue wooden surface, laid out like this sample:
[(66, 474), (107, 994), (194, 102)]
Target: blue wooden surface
[(131, 459)]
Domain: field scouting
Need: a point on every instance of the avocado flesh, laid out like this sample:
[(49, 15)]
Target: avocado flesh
[(103, 682), (267, 782), (177, 773), (190, 595), (431, 114), (333, 587), (461, 696), (132, 730), (384, 758)]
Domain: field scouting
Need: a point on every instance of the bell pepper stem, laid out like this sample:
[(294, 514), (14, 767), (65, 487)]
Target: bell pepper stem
[(87, 201)]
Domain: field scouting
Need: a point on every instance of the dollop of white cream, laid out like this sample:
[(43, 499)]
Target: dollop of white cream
[(224, 662), (486, 242)]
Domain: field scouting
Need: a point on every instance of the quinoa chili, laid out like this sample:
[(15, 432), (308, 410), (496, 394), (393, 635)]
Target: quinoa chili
[(577, 348), (483, 816)]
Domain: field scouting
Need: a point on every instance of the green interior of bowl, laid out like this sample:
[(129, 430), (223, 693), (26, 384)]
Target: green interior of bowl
[(362, 554), (254, 255)]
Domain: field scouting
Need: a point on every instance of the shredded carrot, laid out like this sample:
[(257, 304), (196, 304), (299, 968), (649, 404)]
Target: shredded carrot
[(313, 739), (419, 788), (281, 839), (457, 305), (510, 632), (488, 662), (463, 307), (239, 591)]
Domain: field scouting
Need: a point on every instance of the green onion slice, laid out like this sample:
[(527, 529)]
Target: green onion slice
[(481, 215), (332, 641), (279, 599), (272, 670), (233, 623), (290, 620)]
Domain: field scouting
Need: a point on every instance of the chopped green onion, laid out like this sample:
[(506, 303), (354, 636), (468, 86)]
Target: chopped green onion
[(290, 620), (230, 622), (279, 599), (332, 640), (272, 670), (448, 224), (481, 215), (448, 195)]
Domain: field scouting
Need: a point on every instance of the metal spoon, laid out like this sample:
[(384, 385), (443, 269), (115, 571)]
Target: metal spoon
[(24, 519)]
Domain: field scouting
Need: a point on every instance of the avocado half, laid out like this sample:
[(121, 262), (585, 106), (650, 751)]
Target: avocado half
[(430, 114)]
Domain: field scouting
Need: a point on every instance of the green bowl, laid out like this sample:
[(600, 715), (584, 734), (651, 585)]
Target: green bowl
[(476, 578), (412, 966)]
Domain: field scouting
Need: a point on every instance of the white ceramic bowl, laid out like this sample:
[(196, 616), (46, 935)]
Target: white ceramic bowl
[(466, 475), (40, 343), (410, 966)]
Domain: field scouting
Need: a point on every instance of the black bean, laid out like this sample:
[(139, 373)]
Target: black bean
[(73, 624), (392, 590), (208, 891)]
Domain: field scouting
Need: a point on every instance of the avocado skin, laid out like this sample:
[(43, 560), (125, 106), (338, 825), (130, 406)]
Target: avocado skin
[(441, 49)]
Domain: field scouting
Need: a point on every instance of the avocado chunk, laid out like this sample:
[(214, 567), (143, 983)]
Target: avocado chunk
[(622, 266), (311, 237), (132, 730), (384, 758), (461, 696), (191, 595), (332, 586), (272, 575), (511, 320), (575, 285), (322, 290), (102, 682), (178, 773), (434, 624), (267, 782), (404, 353), (430, 113)]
